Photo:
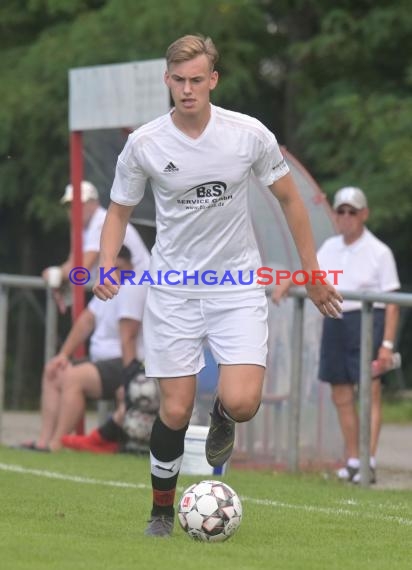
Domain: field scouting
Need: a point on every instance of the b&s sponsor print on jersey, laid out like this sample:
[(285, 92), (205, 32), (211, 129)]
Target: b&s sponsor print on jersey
[(206, 195)]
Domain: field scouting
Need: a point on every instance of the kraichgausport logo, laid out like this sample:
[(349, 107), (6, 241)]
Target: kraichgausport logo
[(262, 276)]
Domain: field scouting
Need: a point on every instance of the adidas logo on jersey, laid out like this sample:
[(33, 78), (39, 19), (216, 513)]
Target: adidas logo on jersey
[(170, 168)]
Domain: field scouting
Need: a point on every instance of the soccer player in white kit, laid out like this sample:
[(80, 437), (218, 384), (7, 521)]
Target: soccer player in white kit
[(198, 159)]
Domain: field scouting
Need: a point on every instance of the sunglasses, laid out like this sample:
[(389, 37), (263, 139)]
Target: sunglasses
[(348, 211)]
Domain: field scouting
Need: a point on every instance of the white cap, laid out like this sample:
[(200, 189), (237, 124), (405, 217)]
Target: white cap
[(88, 192), (352, 196)]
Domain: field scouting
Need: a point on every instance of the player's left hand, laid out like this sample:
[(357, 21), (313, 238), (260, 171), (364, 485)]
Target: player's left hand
[(326, 298)]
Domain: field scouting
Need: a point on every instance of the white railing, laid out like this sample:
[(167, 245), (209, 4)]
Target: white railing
[(51, 318), (367, 299), (294, 408)]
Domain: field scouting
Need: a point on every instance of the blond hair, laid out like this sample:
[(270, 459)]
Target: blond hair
[(188, 47)]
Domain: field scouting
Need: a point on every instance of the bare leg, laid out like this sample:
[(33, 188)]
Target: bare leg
[(376, 415), (52, 382), (239, 396), (343, 396), (82, 382), (120, 411), (240, 389), (177, 399)]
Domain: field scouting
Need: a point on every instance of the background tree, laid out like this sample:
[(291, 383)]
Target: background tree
[(332, 79), (42, 40)]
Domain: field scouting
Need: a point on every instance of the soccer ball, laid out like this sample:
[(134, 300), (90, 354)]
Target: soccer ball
[(138, 425), (143, 394), (210, 511)]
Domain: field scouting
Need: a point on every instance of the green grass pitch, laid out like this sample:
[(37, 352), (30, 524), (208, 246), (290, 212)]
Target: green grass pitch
[(79, 511)]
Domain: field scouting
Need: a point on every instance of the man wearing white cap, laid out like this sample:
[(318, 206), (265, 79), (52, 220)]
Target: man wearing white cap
[(115, 355), (93, 218), (368, 265)]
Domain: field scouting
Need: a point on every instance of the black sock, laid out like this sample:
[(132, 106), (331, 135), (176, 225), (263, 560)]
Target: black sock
[(111, 431), (166, 454)]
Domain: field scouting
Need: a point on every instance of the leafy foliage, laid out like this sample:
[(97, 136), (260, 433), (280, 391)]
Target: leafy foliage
[(54, 35), (357, 110), (332, 79), (339, 77)]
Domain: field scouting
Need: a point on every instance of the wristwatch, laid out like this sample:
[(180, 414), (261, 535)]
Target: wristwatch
[(387, 344)]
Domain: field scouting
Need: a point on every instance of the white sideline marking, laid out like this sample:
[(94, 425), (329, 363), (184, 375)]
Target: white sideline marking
[(330, 511), (264, 502), (73, 478)]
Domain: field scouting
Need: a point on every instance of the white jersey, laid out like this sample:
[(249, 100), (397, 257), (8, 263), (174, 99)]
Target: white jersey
[(105, 341), (132, 240), (367, 265), (200, 188)]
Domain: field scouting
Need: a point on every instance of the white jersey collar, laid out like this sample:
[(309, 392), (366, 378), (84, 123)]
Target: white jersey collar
[(204, 133)]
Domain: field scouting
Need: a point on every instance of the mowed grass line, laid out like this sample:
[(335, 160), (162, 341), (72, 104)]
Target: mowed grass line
[(289, 522)]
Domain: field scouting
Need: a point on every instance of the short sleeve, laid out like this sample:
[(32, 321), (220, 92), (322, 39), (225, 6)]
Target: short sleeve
[(130, 179), (270, 165), (388, 273)]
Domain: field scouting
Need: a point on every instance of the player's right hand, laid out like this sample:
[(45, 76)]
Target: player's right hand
[(108, 287)]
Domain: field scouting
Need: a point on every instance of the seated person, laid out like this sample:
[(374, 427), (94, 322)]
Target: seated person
[(129, 427), (115, 331), (93, 218)]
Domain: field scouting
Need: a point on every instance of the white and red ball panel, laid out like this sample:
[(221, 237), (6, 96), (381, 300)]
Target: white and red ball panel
[(210, 511)]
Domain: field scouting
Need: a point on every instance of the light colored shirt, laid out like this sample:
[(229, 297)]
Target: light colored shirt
[(368, 265), (201, 191), (132, 240), (105, 341)]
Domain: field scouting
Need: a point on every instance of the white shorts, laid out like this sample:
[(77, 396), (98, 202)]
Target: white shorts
[(174, 331)]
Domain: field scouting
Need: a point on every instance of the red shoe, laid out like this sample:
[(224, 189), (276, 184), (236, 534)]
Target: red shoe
[(93, 442)]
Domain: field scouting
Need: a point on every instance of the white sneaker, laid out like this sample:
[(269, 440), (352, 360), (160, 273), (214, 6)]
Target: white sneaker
[(372, 477), (347, 473)]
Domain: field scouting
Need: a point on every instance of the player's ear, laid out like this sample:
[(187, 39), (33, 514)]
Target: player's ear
[(214, 78), (166, 78)]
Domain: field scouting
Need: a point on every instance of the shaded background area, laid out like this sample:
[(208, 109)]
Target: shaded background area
[(332, 80), (268, 442)]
